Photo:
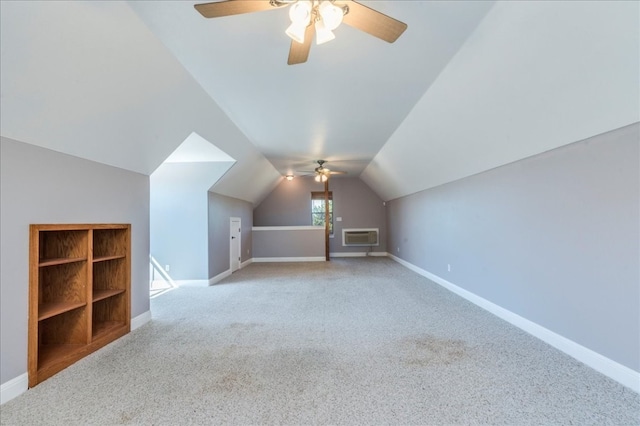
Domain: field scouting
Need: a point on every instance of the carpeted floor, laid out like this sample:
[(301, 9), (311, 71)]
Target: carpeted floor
[(352, 341)]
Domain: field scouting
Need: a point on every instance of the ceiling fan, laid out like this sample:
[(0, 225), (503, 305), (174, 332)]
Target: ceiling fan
[(321, 172), (313, 16)]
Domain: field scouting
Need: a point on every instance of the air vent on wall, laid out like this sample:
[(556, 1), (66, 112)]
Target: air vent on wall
[(360, 237)]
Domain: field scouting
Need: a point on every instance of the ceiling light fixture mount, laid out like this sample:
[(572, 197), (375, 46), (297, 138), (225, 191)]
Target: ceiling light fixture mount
[(323, 173)]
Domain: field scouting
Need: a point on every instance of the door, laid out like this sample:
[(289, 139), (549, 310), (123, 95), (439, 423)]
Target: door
[(234, 252)]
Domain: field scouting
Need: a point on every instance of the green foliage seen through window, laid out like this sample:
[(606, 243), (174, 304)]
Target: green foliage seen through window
[(317, 210)]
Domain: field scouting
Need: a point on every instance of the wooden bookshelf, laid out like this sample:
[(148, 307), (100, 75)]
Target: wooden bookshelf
[(79, 293), (60, 261), (104, 294), (48, 310)]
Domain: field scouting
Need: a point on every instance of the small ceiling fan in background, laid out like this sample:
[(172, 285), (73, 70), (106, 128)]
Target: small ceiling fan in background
[(321, 172), (313, 16)]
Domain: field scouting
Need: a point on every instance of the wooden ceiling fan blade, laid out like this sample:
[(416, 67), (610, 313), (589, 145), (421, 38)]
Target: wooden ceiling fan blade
[(333, 172), (299, 52), (234, 7), (373, 22)]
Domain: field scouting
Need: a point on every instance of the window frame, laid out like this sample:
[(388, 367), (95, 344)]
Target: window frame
[(319, 196)]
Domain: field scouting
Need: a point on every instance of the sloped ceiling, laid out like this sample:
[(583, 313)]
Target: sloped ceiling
[(89, 79), (470, 85), (197, 149), (343, 104), (532, 77)]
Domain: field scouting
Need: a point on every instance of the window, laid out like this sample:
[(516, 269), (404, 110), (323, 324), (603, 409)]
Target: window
[(317, 210)]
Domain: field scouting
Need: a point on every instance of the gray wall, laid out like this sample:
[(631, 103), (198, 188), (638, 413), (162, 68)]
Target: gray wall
[(179, 218), (290, 205), (42, 186), (553, 238), (221, 210)]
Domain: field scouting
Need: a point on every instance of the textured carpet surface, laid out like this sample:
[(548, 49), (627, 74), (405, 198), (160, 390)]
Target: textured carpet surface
[(351, 341)]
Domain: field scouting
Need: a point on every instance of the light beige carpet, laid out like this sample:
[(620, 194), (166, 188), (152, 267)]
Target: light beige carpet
[(353, 341)]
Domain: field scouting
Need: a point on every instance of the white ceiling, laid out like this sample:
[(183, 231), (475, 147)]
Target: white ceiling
[(343, 104), (469, 86), (196, 149)]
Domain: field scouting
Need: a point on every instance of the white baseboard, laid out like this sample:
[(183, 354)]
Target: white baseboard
[(219, 277), (13, 388), (618, 372), (289, 259), (378, 254), (140, 320), (246, 263)]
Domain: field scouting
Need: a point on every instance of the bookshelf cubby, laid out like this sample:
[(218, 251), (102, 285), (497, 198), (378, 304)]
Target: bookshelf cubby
[(79, 293)]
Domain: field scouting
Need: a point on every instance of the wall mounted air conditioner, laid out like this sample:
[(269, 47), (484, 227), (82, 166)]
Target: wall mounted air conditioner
[(360, 237)]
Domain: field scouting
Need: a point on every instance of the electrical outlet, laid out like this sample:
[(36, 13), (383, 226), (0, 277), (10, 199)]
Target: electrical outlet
[(448, 267), (398, 249), (167, 268)]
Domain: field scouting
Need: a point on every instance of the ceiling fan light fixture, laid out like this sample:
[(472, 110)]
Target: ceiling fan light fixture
[(331, 14), (321, 177), (296, 32), (289, 177), (323, 34), (300, 12)]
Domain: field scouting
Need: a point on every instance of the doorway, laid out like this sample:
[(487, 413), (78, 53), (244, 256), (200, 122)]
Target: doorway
[(235, 245)]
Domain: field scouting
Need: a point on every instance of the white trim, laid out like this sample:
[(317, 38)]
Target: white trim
[(246, 263), (378, 253), (14, 387), (140, 320), (359, 254), (219, 277), (289, 259), (288, 228), (610, 368)]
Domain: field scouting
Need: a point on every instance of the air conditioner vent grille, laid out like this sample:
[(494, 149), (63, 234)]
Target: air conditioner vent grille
[(360, 237)]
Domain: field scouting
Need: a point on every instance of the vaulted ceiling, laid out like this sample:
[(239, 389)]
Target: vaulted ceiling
[(469, 86)]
